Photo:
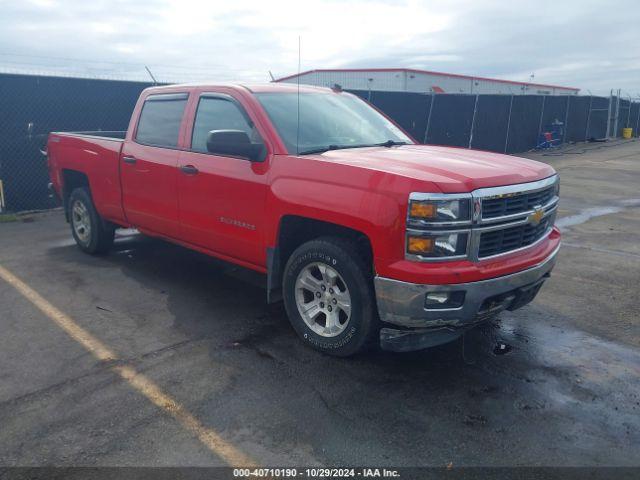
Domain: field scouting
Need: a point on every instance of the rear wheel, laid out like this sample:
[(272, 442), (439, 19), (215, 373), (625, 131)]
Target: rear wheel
[(329, 296), (91, 233)]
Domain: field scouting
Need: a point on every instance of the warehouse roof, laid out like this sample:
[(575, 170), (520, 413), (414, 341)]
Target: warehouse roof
[(413, 70)]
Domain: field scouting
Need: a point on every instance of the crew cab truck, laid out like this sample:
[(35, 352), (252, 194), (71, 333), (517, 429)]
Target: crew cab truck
[(365, 235)]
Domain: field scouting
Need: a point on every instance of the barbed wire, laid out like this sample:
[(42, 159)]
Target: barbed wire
[(124, 71)]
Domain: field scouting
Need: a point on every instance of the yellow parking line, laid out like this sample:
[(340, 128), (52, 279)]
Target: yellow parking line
[(210, 438)]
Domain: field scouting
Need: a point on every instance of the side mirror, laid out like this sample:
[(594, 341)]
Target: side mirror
[(235, 143)]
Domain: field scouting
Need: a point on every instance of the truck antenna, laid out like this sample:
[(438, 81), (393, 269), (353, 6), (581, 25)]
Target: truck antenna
[(298, 101), (155, 82)]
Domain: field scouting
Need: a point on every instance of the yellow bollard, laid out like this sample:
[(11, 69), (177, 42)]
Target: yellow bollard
[(627, 132)]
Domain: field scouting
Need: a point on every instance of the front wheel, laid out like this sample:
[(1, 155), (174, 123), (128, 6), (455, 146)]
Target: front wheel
[(90, 232), (329, 296)]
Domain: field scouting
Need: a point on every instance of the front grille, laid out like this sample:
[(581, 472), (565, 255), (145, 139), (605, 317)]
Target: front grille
[(500, 241), (521, 202), (505, 219)]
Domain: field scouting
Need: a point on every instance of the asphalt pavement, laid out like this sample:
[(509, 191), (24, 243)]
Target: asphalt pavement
[(199, 370)]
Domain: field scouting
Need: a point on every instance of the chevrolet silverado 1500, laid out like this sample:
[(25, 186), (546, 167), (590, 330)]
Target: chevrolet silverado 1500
[(367, 236)]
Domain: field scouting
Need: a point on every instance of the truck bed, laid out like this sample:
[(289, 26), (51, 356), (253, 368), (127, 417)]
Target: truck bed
[(96, 155)]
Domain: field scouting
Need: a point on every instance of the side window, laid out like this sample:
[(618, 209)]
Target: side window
[(219, 114), (160, 119)]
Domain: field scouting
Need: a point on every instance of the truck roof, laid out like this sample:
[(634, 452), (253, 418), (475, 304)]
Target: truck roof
[(252, 87)]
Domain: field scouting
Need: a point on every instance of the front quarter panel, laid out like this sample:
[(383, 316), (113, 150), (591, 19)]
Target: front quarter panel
[(358, 198)]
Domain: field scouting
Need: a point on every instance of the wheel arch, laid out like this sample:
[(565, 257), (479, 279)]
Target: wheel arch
[(293, 231), (72, 179)]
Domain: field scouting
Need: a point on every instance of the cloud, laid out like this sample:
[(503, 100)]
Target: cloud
[(579, 43)]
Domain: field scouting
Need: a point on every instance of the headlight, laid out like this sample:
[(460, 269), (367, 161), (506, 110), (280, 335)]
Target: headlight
[(438, 226), (437, 245), (440, 210)]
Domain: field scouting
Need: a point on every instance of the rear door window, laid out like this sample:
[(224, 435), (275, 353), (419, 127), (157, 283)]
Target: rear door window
[(160, 119)]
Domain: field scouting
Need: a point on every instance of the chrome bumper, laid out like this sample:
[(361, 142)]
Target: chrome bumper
[(403, 304)]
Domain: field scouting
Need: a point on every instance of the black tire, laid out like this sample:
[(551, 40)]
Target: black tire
[(99, 237), (362, 327)]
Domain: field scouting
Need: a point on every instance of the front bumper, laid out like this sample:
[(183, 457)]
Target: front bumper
[(402, 304)]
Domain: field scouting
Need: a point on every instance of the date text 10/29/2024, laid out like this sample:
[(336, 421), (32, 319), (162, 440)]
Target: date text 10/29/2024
[(315, 473)]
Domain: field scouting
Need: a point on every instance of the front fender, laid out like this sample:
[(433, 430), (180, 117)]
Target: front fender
[(378, 215)]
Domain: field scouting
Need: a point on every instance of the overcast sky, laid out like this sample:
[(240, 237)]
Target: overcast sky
[(592, 45)]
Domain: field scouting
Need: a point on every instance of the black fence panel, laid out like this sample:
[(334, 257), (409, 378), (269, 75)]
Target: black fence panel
[(624, 116), (577, 120), (490, 123), (449, 122), (612, 118), (634, 121), (407, 109), (524, 126), (554, 112), (31, 107), (597, 118), (410, 110)]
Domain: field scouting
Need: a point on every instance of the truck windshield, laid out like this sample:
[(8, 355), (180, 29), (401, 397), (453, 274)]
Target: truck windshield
[(328, 122)]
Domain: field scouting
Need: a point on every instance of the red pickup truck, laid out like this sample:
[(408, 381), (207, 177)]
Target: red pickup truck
[(367, 236)]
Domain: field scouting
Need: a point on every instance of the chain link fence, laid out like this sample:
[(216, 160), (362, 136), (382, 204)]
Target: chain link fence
[(507, 123), (33, 106)]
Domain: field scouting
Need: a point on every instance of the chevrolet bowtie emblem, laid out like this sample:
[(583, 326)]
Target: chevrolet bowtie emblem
[(536, 216)]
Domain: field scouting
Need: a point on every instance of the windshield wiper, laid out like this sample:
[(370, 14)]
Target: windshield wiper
[(330, 147), (318, 150), (388, 143)]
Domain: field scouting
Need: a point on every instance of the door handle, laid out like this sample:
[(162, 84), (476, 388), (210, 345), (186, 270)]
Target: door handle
[(129, 160), (189, 169)]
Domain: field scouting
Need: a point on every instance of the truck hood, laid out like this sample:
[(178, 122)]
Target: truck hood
[(452, 170)]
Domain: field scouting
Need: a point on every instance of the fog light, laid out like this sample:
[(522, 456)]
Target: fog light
[(437, 298), (441, 300)]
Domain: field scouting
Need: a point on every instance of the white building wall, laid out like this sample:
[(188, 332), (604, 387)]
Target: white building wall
[(408, 81), (387, 81), (448, 84)]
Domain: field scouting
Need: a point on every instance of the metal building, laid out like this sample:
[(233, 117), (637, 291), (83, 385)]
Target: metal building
[(421, 81)]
